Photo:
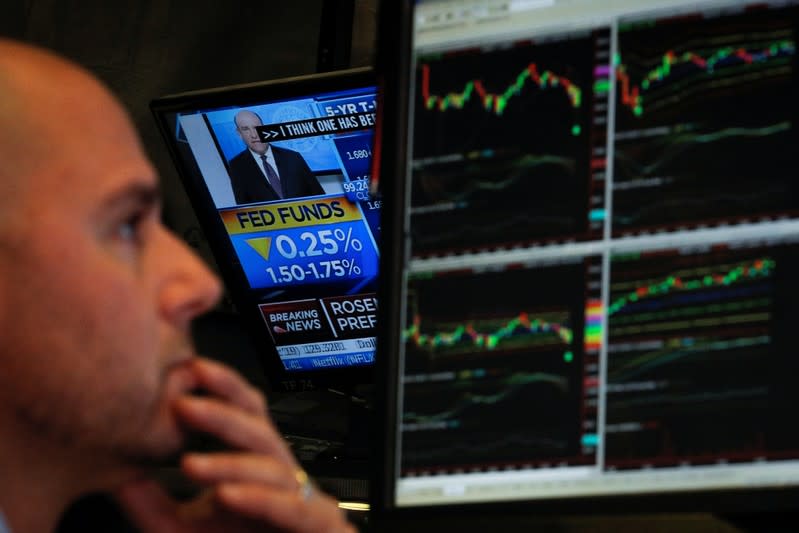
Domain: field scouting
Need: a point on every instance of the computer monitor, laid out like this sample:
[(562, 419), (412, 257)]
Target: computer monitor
[(299, 255), (597, 209)]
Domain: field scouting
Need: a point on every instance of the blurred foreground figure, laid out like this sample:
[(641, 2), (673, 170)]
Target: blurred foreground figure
[(97, 368)]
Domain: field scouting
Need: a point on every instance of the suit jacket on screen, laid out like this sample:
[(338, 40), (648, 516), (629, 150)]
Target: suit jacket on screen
[(250, 185)]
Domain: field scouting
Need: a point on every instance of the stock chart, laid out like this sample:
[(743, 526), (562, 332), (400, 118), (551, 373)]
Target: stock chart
[(481, 349), (705, 121), (699, 364), (501, 145)]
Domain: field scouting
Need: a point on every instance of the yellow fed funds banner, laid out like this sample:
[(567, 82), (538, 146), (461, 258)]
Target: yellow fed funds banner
[(284, 215)]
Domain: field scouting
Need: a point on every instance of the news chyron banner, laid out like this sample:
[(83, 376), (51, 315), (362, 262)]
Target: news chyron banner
[(342, 331), (324, 241), (328, 242)]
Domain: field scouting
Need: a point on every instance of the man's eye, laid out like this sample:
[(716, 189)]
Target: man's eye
[(130, 229)]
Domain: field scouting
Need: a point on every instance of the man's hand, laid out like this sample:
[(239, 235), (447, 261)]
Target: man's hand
[(257, 487)]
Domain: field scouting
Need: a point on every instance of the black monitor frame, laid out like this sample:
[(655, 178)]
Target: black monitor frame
[(350, 380), (394, 69)]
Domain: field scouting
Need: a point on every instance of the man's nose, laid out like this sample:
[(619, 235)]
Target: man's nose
[(189, 287)]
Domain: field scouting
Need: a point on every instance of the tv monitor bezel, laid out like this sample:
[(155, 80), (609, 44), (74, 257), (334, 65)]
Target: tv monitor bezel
[(350, 380)]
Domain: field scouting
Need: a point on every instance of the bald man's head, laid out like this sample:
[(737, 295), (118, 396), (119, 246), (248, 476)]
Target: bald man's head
[(246, 122), (51, 111), (96, 295)]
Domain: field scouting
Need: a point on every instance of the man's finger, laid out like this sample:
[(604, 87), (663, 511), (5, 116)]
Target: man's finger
[(215, 468), (238, 428), (284, 509), (226, 384)]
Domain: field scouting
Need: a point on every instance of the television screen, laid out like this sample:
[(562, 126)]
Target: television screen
[(599, 212), (278, 173)]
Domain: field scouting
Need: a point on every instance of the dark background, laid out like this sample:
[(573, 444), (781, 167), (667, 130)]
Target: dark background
[(143, 49)]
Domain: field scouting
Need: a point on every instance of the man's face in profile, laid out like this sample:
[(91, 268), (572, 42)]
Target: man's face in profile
[(246, 121), (97, 294)]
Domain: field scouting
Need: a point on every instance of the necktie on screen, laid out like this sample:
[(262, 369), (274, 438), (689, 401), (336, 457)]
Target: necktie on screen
[(272, 177)]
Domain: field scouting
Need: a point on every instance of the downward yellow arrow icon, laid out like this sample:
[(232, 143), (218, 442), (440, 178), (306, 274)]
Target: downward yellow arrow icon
[(261, 245)]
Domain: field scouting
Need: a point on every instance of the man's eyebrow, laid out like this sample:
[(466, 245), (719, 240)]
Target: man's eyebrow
[(143, 194)]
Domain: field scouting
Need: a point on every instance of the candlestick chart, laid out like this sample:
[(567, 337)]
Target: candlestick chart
[(697, 346), (501, 146), (494, 369), (705, 122), (532, 96)]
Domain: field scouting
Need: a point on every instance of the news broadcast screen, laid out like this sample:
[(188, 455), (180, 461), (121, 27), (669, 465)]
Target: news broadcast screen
[(289, 182)]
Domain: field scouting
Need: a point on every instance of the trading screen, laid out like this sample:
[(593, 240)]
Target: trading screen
[(603, 225)]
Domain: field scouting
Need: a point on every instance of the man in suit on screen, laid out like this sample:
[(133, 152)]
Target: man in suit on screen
[(262, 172)]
